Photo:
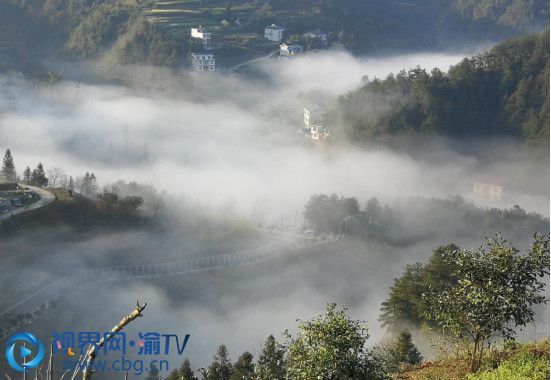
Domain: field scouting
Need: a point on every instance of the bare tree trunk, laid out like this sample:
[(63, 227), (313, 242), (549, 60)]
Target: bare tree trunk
[(92, 351), (474, 356)]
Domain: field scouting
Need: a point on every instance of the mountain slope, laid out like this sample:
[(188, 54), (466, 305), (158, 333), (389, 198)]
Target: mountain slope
[(89, 30), (504, 91)]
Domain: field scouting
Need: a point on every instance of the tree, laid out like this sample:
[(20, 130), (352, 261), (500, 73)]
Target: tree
[(397, 353), (495, 290), (71, 183), (405, 304), (244, 367), (27, 175), (271, 362), (406, 352), (88, 184), (8, 167), (55, 175), (323, 213), (183, 373), (221, 367), (331, 347), (38, 176), (153, 373)]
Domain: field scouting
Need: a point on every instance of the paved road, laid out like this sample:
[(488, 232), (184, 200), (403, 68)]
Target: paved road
[(231, 69), (45, 199)]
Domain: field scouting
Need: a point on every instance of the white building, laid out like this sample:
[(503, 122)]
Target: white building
[(311, 115), (274, 33), (488, 190), (290, 50), (203, 61), (319, 133), (312, 120), (317, 33), (203, 35)]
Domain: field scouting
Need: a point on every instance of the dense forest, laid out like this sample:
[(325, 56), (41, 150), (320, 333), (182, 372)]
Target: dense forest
[(426, 24), (129, 31), (504, 91), (397, 224)]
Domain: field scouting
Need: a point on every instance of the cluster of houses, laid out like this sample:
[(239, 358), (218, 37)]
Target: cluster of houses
[(204, 60), (276, 33)]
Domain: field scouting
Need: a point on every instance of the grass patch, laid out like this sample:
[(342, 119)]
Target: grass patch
[(513, 362)]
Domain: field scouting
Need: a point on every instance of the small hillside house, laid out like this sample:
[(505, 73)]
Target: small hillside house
[(317, 33), (488, 190), (203, 61), (319, 133), (203, 35), (274, 33), (289, 51)]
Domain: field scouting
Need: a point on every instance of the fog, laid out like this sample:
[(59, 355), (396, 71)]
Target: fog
[(231, 143)]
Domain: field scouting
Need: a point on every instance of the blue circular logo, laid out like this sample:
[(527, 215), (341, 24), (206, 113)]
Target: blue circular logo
[(19, 351)]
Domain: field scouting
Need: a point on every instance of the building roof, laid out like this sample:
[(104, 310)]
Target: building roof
[(274, 26), (203, 53), (316, 32), (488, 181), (312, 107)]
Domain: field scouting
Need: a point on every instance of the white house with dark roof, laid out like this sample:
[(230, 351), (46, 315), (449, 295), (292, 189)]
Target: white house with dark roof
[(274, 33)]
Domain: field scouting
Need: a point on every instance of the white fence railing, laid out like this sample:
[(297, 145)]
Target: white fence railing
[(52, 291)]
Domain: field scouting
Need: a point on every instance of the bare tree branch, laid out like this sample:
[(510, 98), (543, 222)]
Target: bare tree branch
[(92, 351)]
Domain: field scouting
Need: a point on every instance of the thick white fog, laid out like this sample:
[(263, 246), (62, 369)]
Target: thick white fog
[(226, 138), (222, 140)]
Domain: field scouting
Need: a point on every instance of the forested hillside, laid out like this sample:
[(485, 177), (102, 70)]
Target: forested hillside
[(512, 13), (157, 31), (504, 91)]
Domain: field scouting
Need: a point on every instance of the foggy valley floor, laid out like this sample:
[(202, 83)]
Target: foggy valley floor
[(167, 165)]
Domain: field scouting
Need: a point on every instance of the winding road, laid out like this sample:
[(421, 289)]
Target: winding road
[(46, 198)]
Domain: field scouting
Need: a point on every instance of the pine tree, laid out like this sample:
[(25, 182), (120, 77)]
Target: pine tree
[(27, 175), (88, 184), (8, 167), (405, 350), (153, 373), (183, 373), (71, 183), (244, 367), (38, 176), (271, 363), (221, 367)]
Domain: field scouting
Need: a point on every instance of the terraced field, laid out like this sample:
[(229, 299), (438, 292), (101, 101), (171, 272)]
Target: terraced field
[(178, 16), (239, 30)]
